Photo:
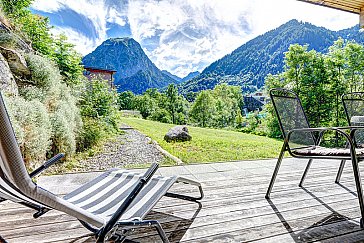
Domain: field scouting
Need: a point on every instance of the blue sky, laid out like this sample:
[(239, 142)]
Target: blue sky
[(181, 35)]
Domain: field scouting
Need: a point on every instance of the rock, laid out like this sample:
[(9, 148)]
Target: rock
[(7, 81), (178, 134), (16, 62)]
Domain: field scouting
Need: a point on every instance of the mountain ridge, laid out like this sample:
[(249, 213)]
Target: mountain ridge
[(248, 65)]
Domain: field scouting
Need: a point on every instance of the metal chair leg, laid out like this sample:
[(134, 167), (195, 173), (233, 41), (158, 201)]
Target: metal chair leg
[(358, 188), (305, 173), (145, 223), (160, 231), (340, 171), (278, 165)]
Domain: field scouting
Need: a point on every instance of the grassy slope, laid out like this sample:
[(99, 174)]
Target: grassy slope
[(209, 145)]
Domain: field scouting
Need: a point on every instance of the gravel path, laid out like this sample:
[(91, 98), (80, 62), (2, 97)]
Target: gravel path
[(132, 147)]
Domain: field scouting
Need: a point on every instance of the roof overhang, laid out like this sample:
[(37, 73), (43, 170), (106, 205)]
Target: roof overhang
[(351, 6)]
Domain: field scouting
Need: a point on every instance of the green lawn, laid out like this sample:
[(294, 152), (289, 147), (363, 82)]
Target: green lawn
[(209, 145)]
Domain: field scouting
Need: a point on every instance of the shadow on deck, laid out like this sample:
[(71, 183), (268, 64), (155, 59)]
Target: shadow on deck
[(234, 208)]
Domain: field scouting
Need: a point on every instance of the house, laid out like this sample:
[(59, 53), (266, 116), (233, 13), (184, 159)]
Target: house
[(106, 74), (255, 101)]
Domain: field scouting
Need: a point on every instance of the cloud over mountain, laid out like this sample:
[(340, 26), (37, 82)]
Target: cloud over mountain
[(180, 35)]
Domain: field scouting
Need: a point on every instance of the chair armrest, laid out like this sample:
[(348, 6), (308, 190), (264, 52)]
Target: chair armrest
[(47, 164), (319, 129), (137, 188), (322, 130)]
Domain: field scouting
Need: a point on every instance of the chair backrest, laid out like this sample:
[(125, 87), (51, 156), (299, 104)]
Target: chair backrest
[(290, 114), (354, 110), (16, 184)]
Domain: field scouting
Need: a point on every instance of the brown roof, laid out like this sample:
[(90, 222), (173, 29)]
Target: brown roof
[(95, 69), (352, 6)]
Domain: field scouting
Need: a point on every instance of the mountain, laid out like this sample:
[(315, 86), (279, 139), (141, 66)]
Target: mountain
[(248, 65), (135, 71), (190, 76), (176, 78)]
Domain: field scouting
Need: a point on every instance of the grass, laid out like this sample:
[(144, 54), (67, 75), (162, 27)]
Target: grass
[(209, 145)]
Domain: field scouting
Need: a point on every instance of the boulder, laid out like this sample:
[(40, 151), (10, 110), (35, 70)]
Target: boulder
[(178, 134), (16, 62), (7, 81)]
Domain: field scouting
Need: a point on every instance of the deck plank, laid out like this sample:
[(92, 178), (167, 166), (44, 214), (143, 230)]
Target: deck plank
[(234, 208)]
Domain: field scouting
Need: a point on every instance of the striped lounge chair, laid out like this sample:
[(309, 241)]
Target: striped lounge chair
[(109, 205)]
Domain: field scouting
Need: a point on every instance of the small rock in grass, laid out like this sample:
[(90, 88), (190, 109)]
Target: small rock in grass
[(178, 134)]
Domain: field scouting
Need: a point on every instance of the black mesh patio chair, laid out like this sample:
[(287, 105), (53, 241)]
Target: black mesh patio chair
[(109, 206), (354, 110), (301, 141)]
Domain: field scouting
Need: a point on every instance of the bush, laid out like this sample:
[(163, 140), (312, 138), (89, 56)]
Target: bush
[(161, 115), (43, 71), (126, 100), (66, 124), (60, 104), (98, 107), (32, 127), (92, 132), (7, 40), (98, 99)]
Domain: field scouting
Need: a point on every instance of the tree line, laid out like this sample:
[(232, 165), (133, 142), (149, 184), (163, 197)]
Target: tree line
[(320, 79), (220, 107)]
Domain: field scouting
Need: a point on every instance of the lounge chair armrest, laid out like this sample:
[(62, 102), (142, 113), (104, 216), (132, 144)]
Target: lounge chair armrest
[(124, 206), (150, 172), (47, 164), (185, 197)]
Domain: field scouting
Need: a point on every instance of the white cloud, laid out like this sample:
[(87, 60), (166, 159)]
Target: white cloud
[(47, 6), (84, 44), (95, 11), (190, 34), (114, 16)]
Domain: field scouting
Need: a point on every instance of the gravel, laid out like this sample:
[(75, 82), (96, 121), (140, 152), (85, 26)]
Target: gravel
[(131, 148)]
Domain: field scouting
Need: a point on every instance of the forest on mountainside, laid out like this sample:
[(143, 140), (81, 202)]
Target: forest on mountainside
[(248, 65)]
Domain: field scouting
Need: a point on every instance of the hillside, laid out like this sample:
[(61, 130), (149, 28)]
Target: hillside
[(176, 78), (190, 76), (135, 71), (248, 65)]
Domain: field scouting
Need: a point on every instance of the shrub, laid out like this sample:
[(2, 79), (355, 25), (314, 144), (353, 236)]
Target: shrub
[(43, 71), (98, 99), (7, 40), (32, 127), (126, 100), (146, 105), (161, 115), (60, 104), (92, 132), (66, 124), (98, 107)]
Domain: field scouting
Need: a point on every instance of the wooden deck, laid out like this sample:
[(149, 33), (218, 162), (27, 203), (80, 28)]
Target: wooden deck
[(234, 208)]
